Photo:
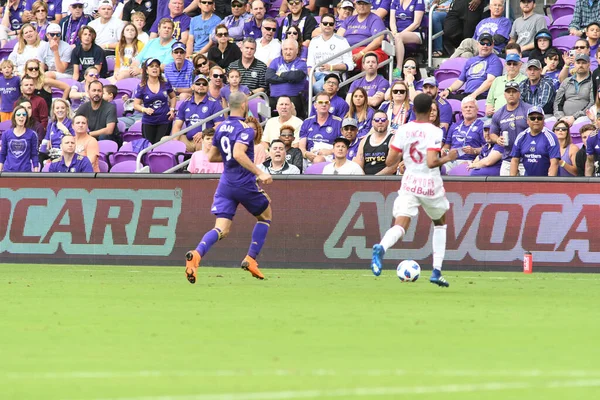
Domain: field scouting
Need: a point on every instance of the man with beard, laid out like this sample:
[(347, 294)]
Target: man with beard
[(373, 148), (101, 115)]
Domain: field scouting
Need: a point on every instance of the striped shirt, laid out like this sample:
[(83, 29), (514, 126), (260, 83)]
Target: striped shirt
[(180, 79), (253, 77)]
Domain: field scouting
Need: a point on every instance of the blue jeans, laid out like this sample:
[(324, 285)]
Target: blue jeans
[(438, 26), (319, 82)]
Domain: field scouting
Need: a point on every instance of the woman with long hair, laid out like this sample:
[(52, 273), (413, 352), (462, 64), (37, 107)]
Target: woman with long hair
[(216, 82), (225, 52), (201, 65), (128, 47), (60, 124), (411, 74), (19, 149), (234, 85), (39, 9), (156, 100), (43, 84), (26, 48), (293, 32), (592, 112), (360, 111), (32, 123), (567, 165), (399, 108), (434, 114), (260, 155)]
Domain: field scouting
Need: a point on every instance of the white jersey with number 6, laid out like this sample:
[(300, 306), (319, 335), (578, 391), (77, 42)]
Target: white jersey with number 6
[(413, 140)]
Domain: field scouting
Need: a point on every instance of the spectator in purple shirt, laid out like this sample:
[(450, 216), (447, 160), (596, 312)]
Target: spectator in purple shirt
[(405, 20), (360, 112), (153, 97), (287, 75), (318, 132), (430, 87), (10, 89), (374, 84), (478, 73), (252, 27), (360, 27), (488, 162), (466, 135), (181, 28), (338, 106), (19, 148)]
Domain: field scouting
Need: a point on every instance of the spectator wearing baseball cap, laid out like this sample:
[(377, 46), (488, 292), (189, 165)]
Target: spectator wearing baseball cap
[(55, 54), (180, 72), (575, 94), (478, 73), (538, 147), (537, 89), (350, 132), (543, 45), (495, 98)]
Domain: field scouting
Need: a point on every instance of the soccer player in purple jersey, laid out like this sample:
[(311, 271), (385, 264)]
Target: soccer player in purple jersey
[(233, 145)]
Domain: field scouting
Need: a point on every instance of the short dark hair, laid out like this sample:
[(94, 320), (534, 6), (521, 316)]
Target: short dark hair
[(422, 103), (277, 141), (341, 139), (111, 89), (513, 46), (96, 83), (328, 15), (208, 132), (371, 54)]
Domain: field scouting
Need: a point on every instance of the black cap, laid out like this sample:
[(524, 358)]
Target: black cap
[(486, 36), (511, 85), (336, 76)]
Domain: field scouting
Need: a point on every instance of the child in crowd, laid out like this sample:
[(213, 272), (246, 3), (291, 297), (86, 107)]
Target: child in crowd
[(10, 89), (199, 163), (592, 32), (139, 20), (109, 92), (233, 77), (551, 69)]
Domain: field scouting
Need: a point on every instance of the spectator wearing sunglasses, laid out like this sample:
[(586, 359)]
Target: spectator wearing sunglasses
[(79, 91), (478, 73), (525, 27), (198, 107), (225, 52), (19, 147), (268, 47), (581, 47), (323, 47), (75, 20), (201, 27), (56, 54), (373, 148), (495, 98), (235, 22), (538, 146), (180, 72), (575, 94), (318, 132), (286, 75), (301, 18)]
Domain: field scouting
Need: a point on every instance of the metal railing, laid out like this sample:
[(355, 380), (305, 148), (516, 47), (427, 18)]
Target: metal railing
[(431, 36), (263, 109), (387, 47)]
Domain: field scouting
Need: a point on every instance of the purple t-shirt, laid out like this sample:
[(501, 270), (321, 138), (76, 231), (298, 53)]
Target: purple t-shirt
[(315, 133), (445, 111), (357, 31), (190, 113), (226, 91), (10, 90), (16, 16), (54, 6), (377, 85), (460, 135), (281, 67), (19, 153), (406, 16), (554, 76), (252, 30), (494, 26), (492, 170), (365, 126), (157, 101), (182, 24), (54, 135), (514, 122), (337, 107), (228, 133), (536, 151), (477, 69), (592, 146)]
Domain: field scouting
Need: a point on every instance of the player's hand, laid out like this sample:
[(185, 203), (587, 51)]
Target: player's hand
[(265, 178)]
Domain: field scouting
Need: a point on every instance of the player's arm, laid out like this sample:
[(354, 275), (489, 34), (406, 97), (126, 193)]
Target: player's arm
[(434, 160), (394, 157), (589, 165), (553, 170), (214, 155), (239, 154), (514, 166)]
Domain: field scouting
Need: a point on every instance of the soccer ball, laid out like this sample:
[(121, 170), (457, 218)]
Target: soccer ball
[(408, 271)]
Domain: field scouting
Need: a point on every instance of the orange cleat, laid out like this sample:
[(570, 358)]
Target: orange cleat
[(250, 265), (192, 262)]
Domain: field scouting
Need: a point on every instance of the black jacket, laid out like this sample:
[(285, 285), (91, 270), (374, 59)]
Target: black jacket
[(540, 55)]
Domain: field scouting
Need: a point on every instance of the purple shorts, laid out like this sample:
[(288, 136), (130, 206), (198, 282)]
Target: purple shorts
[(227, 198)]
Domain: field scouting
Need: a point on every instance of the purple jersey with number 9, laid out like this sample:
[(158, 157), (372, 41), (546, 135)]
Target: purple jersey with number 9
[(233, 130)]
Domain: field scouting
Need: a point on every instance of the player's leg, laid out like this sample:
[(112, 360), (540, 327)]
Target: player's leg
[(405, 207), (258, 204), (436, 209)]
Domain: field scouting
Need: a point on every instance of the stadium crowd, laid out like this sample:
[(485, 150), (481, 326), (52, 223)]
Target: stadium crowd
[(524, 98)]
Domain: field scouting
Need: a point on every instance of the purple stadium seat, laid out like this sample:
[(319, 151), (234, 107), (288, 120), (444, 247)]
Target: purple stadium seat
[(105, 81), (131, 136), (107, 147), (565, 42), (561, 9), (124, 167), (136, 127), (548, 20), (127, 87), (120, 107), (166, 156), (103, 166), (125, 153), (56, 93), (110, 64), (316, 169), (574, 131), (445, 84), (7, 49), (560, 27), (450, 68), (459, 170), (121, 126), (274, 10), (253, 105)]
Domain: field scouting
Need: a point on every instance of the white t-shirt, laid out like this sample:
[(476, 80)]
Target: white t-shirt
[(268, 52), (319, 49), (413, 140), (349, 168), (109, 32), (47, 56)]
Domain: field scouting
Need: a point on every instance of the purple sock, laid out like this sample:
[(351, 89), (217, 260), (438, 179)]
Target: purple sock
[(211, 237), (259, 234)]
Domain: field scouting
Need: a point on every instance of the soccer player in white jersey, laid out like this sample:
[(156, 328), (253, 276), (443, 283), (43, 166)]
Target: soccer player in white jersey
[(421, 185)]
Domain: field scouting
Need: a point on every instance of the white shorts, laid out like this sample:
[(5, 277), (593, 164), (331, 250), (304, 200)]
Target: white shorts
[(505, 168), (407, 205)]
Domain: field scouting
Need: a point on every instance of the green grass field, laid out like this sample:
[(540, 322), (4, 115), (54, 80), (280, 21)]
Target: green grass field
[(145, 333)]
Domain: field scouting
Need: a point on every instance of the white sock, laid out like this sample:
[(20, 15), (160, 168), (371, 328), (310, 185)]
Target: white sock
[(439, 246), (390, 238)]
